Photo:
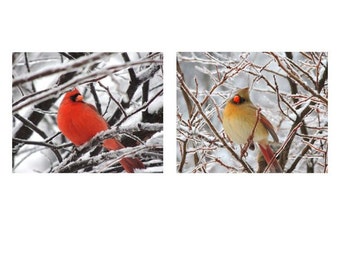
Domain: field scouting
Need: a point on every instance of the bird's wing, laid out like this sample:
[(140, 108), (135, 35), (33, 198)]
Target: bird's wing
[(269, 127)]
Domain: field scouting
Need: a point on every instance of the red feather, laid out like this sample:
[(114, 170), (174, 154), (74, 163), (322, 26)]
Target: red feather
[(80, 122), (269, 155)]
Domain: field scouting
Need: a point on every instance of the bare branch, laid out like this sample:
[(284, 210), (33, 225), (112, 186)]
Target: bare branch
[(299, 106), (85, 60), (77, 80), (208, 122)]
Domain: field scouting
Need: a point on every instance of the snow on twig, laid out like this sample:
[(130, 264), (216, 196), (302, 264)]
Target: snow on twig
[(77, 80)]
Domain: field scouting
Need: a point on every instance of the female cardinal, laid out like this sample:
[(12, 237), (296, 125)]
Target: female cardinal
[(243, 122), (80, 121)]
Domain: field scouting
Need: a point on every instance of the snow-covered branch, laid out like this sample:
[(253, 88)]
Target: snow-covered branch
[(113, 156), (117, 131), (85, 60), (134, 87), (79, 79), (291, 89)]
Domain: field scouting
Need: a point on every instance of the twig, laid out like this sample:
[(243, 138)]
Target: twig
[(79, 79), (286, 142), (208, 122), (298, 80), (251, 136), (115, 156), (60, 68)]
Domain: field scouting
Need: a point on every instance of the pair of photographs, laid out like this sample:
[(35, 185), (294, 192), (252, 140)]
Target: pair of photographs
[(102, 112)]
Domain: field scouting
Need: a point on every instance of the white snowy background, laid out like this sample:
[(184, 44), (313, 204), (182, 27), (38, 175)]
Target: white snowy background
[(290, 88), (109, 77)]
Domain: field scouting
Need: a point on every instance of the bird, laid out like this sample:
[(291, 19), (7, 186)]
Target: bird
[(79, 122), (245, 124)]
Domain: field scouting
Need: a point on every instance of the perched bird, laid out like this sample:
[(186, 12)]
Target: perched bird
[(80, 122), (244, 123)]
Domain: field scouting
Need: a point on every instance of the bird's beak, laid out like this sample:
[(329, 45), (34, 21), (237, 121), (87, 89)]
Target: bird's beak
[(79, 98)]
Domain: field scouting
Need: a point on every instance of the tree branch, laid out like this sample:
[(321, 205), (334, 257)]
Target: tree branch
[(208, 122)]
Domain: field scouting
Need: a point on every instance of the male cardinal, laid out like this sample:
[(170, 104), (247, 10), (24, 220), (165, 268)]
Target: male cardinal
[(242, 121), (80, 121)]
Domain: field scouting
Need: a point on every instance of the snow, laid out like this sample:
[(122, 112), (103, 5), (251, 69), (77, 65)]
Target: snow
[(267, 77), (110, 72)]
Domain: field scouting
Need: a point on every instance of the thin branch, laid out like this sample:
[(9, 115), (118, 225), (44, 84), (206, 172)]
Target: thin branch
[(134, 84), (208, 122), (113, 156), (144, 106), (116, 132), (59, 68), (298, 80), (76, 80)]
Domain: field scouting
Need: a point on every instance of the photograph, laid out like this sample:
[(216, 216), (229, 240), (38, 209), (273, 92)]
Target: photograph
[(76, 112), (252, 112), (232, 167)]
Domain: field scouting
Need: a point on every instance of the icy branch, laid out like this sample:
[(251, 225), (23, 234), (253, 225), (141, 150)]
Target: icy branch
[(111, 155), (116, 132), (85, 60), (77, 80)]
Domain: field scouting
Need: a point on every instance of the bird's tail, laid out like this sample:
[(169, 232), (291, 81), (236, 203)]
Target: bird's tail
[(129, 164), (268, 155)]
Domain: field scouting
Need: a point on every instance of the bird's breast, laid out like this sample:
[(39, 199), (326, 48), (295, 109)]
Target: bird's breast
[(239, 122), (79, 122)]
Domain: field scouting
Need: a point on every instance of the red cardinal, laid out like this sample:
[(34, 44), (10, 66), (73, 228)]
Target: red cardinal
[(241, 120), (80, 122)]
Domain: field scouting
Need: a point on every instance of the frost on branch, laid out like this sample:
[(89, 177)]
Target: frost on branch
[(291, 89), (39, 83)]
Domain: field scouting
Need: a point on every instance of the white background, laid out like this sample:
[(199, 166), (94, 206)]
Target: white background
[(169, 221)]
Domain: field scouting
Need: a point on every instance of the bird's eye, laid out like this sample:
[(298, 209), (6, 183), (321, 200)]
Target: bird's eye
[(76, 97), (237, 99)]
